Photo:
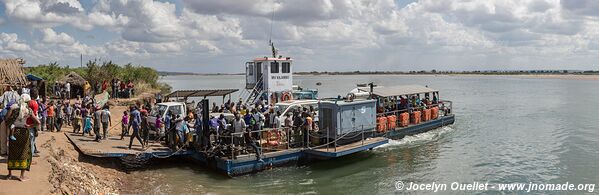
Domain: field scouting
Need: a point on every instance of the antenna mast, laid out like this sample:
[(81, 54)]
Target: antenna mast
[(270, 43)]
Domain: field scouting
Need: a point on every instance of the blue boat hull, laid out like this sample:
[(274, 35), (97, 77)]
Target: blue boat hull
[(249, 164)]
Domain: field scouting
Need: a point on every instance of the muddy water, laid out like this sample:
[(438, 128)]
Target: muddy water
[(507, 130)]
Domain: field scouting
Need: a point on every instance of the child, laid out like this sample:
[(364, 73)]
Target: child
[(125, 124), (87, 125), (9, 120), (158, 126), (76, 120)]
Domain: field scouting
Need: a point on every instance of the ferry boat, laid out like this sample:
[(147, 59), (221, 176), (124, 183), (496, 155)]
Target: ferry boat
[(397, 119), (361, 121)]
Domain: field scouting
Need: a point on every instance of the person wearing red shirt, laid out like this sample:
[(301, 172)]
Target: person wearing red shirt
[(34, 122), (104, 85)]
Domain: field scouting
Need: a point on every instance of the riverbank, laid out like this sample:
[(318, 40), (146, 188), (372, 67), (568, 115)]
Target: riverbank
[(61, 169)]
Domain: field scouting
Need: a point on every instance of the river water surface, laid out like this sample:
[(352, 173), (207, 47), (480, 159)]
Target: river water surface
[(507, 130)]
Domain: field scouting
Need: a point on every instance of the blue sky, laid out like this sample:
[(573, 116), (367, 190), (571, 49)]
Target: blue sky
[(331, 35)]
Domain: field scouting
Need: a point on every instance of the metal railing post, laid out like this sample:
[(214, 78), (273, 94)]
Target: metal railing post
[(308, 138), (335, 143), (260, 137), (362, 134)]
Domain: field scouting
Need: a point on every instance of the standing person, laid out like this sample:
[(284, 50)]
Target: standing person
[(43, 113), (123, 86), (76, 120), (199, 128), (270, 115), (20, 153), (86, 89), (104, 86), (84, 111), (67, 89), (158, 126), (33, 130), (9, 95), (145, 127), (51, 115), (113, 85), (97, 118), (158, 97), (58, 116), (250, 141), (259, 122), (68, 110), (238, 127), (4, 129), (130, 89), (106, 121), (135, 123), (167, 120), (307, 127), (56, 90), (277, 120), (124, 124), (87, 124)]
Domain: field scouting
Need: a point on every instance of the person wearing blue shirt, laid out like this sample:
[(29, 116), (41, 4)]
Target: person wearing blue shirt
[(167, 120), (135, 123)]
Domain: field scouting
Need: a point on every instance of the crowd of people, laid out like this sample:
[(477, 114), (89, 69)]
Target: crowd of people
[(24, 114), (119, 89), (238, 124), (18, 128), (123, 89), (407, 104)]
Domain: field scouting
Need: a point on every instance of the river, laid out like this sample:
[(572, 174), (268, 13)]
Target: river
[(507, 130)]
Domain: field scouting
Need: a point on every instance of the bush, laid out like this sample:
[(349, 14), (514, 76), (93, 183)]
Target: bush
[(96, 72)]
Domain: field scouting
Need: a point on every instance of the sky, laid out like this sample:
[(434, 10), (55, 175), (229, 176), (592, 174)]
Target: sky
[(219, 36)]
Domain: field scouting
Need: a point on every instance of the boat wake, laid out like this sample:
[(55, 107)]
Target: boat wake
[(417, 139)]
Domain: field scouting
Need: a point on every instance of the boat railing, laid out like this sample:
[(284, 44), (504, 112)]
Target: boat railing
[(352, 135), (268, 139), (445, 109), (285, 138)]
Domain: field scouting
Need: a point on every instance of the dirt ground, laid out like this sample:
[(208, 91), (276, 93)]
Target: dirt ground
[(60, 169)]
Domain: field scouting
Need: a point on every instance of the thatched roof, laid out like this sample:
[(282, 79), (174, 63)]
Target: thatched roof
[(72, 78), (11, 72)]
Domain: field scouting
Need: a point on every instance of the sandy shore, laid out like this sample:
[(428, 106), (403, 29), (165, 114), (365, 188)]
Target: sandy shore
[(565, 77), (61, 169)]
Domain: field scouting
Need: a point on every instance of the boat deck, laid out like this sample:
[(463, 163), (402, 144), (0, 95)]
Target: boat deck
[(333, 152), (115, 147)]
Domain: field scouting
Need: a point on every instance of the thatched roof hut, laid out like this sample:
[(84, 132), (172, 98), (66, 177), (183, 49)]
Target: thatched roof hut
[(11, 72), (73, 78)]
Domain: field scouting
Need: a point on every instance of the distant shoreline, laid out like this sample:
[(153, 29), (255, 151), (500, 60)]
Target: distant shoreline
[(525, 74), (422, 72)]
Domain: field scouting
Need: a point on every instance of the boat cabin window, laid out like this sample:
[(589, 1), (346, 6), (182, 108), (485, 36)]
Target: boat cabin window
[(250, 70), (274, 67), (286, 67)]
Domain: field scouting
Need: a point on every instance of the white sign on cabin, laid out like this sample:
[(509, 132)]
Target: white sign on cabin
[(276, 74)]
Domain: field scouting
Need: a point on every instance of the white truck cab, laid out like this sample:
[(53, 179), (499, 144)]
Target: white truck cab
[(291, 105), (161, 109)]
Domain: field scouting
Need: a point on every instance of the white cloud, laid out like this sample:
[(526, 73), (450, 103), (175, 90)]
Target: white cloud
[(449, 34), (48, 13), (49, 36), (9, 42)]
